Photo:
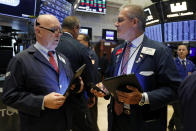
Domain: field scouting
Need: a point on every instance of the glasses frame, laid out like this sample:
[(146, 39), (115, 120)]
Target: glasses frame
[(51, 30)]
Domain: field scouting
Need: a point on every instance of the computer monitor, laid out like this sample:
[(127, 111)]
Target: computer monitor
[(154, 32), (86, 31), (109, 35), (180, 31), (18, 8), (192, 51), (59, 8)]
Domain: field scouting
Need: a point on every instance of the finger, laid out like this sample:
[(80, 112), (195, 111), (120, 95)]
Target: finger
[(120, 93), (99, 94), (121, 100), (73, 87), (131, 88), (92, 91), (100, 85), (57, 94)]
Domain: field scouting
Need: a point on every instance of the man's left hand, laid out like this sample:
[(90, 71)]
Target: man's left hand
[(91, 102), (133, 97), (81, 86)]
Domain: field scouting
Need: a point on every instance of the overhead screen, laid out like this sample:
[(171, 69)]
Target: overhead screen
[(59, 8), (178, 21), (93, 6), (18, 8), (179, 10), (154, 32), (180, 31)]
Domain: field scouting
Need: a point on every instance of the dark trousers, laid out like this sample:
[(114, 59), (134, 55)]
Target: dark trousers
[(124, 123), (82, 121), (94, 112), (176, 119)]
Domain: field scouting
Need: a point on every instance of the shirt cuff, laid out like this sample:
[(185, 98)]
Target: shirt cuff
[(43, 105), (146, 98)]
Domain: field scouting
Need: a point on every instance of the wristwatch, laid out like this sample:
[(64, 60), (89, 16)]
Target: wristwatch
[(142, 101)]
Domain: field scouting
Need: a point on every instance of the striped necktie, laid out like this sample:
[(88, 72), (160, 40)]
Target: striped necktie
[(118, 107), (125, 59)]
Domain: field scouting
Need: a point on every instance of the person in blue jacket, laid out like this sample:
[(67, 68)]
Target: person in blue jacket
[(152, 63), (185, 67), (35, 81)]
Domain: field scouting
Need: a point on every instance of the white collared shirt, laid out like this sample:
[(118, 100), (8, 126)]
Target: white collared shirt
[(68, 33), (182, 60), (136, 44), (44, 51)]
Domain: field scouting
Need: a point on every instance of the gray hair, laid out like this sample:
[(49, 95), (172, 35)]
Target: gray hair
[(136, 11)]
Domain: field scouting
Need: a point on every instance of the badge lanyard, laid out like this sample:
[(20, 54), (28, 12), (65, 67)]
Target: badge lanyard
[(122, 68)]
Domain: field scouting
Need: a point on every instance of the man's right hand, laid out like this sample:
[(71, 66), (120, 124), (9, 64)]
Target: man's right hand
[(54, 100), (100, 93)]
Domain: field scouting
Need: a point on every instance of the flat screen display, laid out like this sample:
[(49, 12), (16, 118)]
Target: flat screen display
[(59, 8), (180, 31), (154, 32), (86, 31), (18, 8), (109, 35), (93, 6), (152, 15), (192, 52), (178, 10)]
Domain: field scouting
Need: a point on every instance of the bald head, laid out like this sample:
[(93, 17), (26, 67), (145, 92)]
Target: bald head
[(46, 19), (47, 30)]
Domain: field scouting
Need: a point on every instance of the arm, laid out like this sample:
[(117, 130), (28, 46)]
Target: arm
[(19, 92)]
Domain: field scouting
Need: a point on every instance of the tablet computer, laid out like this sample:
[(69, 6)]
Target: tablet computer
[(76, 75), (119, 83)]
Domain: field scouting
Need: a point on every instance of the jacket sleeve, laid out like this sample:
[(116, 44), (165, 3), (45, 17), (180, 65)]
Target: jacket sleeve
[(14, 93), (167, 80)]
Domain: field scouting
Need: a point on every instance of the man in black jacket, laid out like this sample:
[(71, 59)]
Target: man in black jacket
[(92, 102), (77, 55), (36, 81)]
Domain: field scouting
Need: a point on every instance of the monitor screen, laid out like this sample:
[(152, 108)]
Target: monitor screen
[(110, 35), (86, 31), (59, 8), (192, 52), (180, 31), (93, 6), (152, 15), (154, 32), (18, 8), (178, 10)]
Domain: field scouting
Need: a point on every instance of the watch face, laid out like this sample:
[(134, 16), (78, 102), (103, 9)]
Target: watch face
[(142, 101)]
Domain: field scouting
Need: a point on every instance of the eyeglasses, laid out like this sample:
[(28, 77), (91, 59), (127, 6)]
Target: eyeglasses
[(121, 19), (53, 30), (77, 27)]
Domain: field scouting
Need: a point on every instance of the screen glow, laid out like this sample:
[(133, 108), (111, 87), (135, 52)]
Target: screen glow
[(10, 2)]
